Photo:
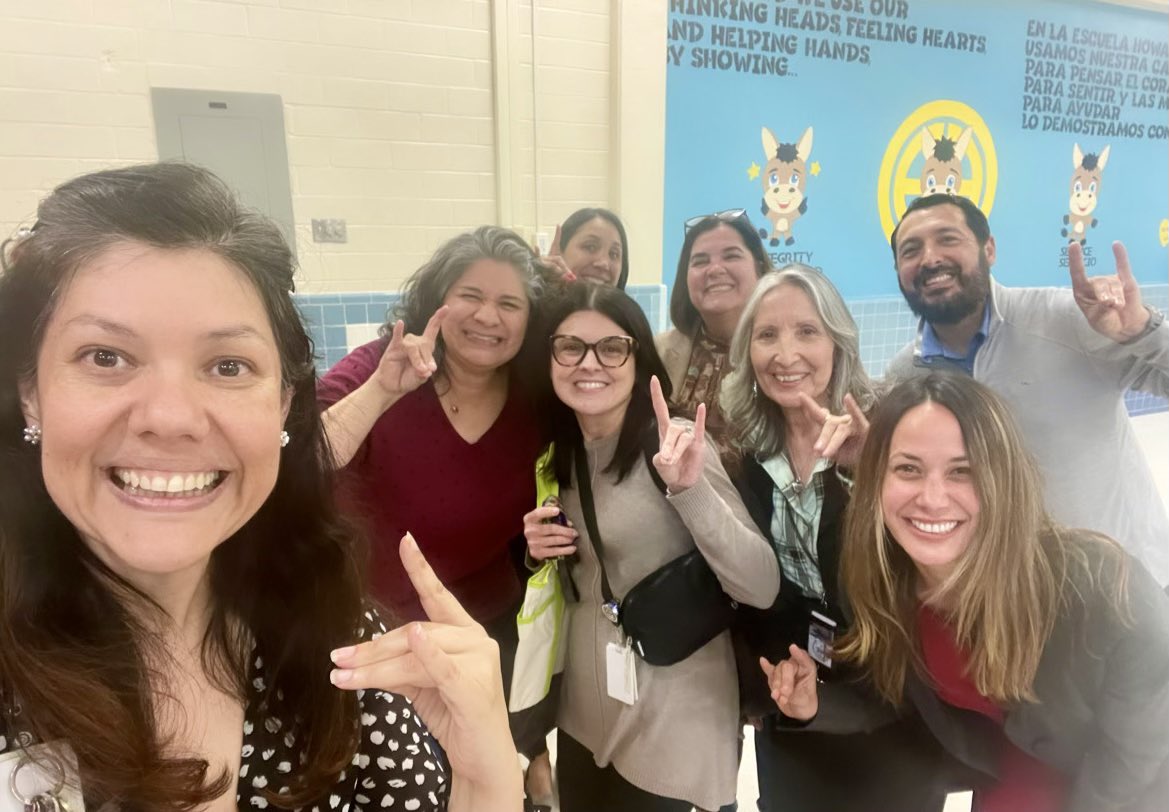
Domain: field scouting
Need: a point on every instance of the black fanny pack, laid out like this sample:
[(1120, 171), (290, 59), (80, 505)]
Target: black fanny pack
[(670, 613)]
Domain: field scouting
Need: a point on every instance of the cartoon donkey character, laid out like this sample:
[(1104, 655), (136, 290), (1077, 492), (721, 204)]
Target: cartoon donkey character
[(1086, 172), (942, 173), (784, 179)]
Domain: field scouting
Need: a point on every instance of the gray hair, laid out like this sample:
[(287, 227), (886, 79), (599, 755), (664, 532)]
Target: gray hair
[(424, 291), (757, 423)]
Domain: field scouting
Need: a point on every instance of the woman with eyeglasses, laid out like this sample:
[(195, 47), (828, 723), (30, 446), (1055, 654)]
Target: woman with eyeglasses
[(796, 400), (674, 746), (721, 260)]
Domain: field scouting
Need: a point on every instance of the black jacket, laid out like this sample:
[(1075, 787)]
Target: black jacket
[(898, 767)]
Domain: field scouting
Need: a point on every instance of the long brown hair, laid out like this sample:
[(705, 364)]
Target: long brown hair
[(74, 661), (1008, 587)]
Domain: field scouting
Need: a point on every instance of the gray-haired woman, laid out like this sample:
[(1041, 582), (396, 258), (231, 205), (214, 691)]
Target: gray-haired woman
[(438, 436), (796, 400)]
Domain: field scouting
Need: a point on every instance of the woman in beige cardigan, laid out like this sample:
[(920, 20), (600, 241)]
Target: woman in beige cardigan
[(674, 745)]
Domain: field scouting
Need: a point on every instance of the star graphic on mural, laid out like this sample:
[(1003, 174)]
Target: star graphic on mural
[(815, 168), (753, 171)]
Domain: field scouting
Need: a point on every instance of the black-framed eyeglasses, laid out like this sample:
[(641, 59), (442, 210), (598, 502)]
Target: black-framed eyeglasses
[(610, 351), (727, 216)]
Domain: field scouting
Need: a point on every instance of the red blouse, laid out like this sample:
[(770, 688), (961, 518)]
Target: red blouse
[(1025, 783), (464, 502)]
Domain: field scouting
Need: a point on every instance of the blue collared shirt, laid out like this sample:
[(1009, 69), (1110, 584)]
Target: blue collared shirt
[(931, 346)]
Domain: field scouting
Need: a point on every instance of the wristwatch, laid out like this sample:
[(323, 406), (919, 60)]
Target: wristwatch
[(1155, 319)]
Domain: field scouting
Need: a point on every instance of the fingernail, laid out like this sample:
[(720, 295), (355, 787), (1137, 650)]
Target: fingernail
[(343, 653), (418, 631), (340, 676)]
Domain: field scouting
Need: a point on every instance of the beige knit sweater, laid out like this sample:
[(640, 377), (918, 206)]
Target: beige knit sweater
[(680, 739)]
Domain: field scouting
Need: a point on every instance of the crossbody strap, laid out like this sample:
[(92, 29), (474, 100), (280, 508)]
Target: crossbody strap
[(585, 490)]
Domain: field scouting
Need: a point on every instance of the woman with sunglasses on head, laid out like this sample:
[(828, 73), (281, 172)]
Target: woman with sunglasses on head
[(796, 398), (590, 245), (1038, 655), (184, 620), (721, 260), (675, 746)]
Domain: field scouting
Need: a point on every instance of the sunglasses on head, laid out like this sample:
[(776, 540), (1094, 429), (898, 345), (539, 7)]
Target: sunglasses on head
[(727, 216)]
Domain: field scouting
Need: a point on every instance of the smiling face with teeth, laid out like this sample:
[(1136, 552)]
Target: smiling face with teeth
[(158, 387), (943, 271), (791, 350), (488, 314), (599, 395), (928, 495), (722, 273)]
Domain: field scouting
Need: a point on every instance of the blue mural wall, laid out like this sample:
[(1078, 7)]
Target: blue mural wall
[(862, 99)]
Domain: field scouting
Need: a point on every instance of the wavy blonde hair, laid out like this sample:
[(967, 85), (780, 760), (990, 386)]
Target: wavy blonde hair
[(757, 425), (1007, 588)]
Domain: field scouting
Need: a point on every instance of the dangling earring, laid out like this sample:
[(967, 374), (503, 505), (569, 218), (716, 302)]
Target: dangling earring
[(755, 389), (284, 439), (32, 434)]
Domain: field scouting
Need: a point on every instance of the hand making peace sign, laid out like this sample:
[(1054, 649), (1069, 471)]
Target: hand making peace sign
[(682, 453), (1111, 304)]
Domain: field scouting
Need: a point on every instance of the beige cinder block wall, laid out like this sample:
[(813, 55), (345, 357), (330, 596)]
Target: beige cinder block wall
[(391, 109)]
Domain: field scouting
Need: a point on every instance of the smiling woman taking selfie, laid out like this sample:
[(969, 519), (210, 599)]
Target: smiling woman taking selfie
[(182, 608)]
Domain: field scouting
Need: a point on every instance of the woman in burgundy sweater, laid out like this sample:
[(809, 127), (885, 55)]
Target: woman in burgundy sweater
[(436, 435), (1038, 655)]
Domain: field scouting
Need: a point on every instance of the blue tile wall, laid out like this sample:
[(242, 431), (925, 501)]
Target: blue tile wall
[(886, 325)]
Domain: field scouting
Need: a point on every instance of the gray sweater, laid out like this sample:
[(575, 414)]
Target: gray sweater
[(1066, 384), (680, 739)]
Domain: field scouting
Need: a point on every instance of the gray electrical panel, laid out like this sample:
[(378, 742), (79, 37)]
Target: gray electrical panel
[(238, 136)]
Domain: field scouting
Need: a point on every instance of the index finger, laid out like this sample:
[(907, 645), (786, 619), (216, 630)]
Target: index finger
[(661, 409), (396, 334), (554, 249), (1076, 266), (437, 601), (812, 409), (432, 326)]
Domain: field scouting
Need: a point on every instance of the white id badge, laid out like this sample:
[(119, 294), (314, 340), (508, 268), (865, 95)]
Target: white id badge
[(959, 802), (46, 785), (821, 633), (621, 672)]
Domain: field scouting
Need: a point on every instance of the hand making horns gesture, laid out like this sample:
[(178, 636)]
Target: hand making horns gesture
[(792, 683), (553, 261), (842, 436), (449, 668), (682, 446), (1111, 304), (408, 361)]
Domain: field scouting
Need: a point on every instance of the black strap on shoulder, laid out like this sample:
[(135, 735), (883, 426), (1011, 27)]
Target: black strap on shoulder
[(585, 489), (649, 447)]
